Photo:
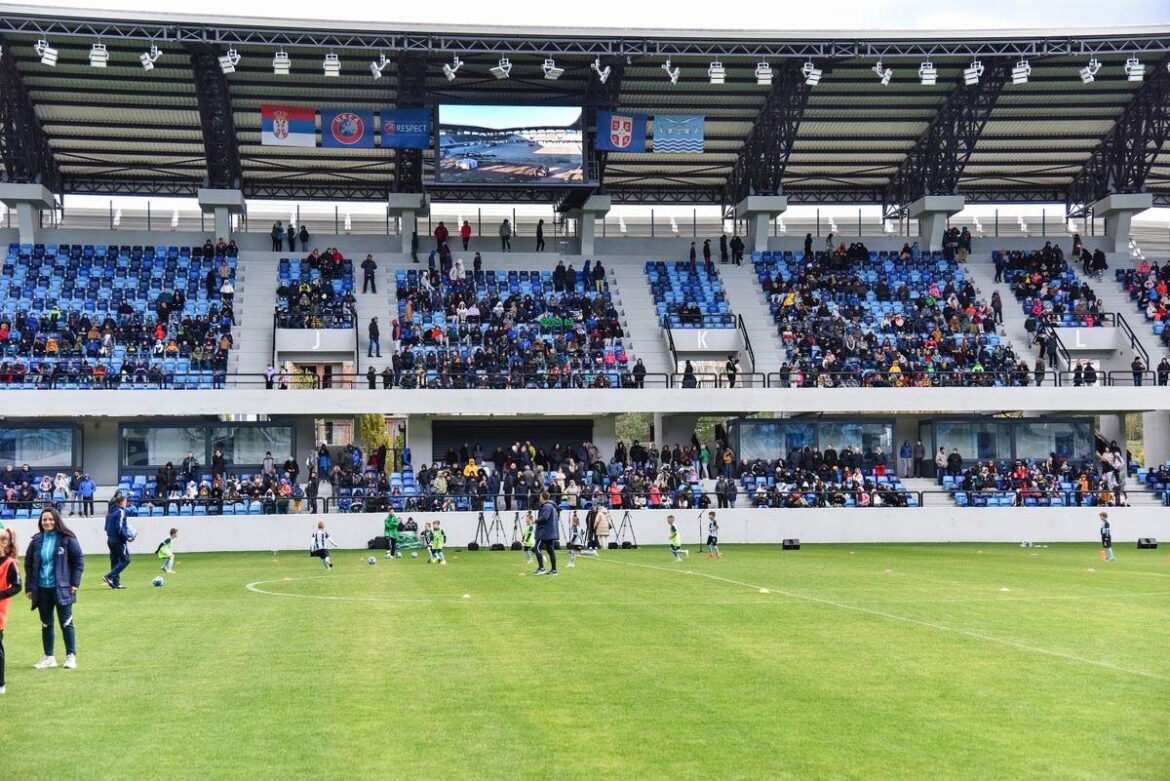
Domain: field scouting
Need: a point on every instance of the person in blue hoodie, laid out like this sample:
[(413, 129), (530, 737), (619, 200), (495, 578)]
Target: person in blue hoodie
[(53, 565), (87, 489), (117, 539)]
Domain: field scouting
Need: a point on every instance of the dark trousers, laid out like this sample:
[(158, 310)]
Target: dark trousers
[(506, 243), (393, 545), (46, 603), (87, 507), (547, 546), (292, 244), (465, 243), (369, 283), (918, 467), (119, 560), (277, 244), (540, 243), (1, 658)]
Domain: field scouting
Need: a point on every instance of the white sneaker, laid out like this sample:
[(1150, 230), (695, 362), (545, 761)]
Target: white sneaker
[(45, 663), (70, 662), (443, 562), (388, 556), (2, 691)]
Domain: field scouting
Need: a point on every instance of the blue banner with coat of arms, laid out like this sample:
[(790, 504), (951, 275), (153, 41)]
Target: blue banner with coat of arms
[(618, 132), (678, 133)]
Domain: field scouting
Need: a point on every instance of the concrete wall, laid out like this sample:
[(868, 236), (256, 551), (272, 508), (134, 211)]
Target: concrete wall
[(934, 524)]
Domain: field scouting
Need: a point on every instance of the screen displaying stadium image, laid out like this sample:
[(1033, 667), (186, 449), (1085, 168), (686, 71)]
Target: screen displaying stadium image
[(509, 144)]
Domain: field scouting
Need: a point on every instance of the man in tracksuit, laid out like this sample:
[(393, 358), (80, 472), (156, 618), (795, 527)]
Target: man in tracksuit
[(547, 533), (117, 539)]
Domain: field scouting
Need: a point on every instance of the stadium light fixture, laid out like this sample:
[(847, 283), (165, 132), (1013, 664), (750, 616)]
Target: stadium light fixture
[(229, 61), (46, 52), (377, 67), (1134, 69), (451, 68), (1089, 72), (551, 71), (716, 73), (885, 74), (928, 74), (812, 74), (331, 65), (281, 63), (502, 69), (602, 73), (1021, 72), (673, 73), (99, 56), (764, 74), (972, 73), (148, 59)]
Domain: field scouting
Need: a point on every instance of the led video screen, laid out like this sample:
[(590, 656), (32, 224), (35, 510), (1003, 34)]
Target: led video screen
[(509, 145)]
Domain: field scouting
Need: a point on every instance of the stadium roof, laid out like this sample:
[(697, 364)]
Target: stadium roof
[(849, 139)]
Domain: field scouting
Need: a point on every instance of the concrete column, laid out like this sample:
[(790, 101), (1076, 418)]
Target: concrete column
[(1112, 429), (605, 435), (419, 439), (759, 210), (932, 212), (595, 208), (222, 204), (677, 430), (1156, 437), (29, 201), (1118, 211), (407, 207)]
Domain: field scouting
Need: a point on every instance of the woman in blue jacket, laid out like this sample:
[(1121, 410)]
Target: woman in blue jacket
[(52, 569)]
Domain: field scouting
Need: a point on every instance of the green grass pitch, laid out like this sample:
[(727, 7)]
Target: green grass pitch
[(834, 662)]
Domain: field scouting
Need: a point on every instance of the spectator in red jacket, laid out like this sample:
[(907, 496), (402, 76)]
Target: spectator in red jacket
[(441, 234), (465, 233)]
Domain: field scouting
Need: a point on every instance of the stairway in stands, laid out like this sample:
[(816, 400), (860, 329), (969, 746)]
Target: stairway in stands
[(255, 300), (981, 271), (746, 297), (635, 305)]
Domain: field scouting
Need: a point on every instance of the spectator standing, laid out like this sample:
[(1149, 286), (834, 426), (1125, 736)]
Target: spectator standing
[(291, 235), (304, 236), (505, 236), (369, 278), (919, 458), (808, 246), (723, 256), (465, 234), (414, 247), (639, 372), (277, 236), (117, 540), (375, 345), (598, 277), (269, 375), (1106, 537), (906, 459), (707, 264), (1138, 368), (441, 234), (53, 565), (540, 235), (731, 369), (737, 247), (602, 526), (1164, 372)]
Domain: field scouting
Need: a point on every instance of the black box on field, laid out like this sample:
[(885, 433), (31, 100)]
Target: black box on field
[(792, 544), (1147, 543)]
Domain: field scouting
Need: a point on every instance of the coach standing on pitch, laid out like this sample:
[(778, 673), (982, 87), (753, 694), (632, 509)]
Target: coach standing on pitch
[(117, 540), (547, 534)]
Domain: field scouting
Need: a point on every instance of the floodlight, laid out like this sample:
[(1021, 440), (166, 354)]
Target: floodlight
[(99, 57), (331, 65), (376, 68), (716, 73), (972, 73), (764, 74), (673, 73), (229, 61), (47, 53), (812, 74), (551, 71), (1089, 72), (1134, 70), (452, 67), (281, 63), (148, 59), (602, 73), (928, 74), (1021, 72), (885, 74), (501, 70)]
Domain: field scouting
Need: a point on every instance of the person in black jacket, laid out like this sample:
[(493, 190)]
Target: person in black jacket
[(117, 540), (52, 585), (375, 339), (539, 236), (547, 533), (369, 280)]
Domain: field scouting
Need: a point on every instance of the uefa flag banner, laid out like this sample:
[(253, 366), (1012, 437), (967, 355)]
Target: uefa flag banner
[(347, 129), (621, 132), (288, 126), (678, 133), (406, 128)]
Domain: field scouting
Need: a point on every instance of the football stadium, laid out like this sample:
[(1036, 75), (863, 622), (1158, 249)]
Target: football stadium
[(471, 400)]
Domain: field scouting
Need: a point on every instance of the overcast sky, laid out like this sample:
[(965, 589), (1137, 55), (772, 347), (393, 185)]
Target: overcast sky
[(689, 14)]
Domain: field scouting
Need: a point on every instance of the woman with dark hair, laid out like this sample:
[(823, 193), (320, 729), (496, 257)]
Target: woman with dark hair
[(9, 586), (53, 565)]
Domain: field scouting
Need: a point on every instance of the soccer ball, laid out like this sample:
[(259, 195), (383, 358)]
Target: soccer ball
[(158, 581), (414, 554), (371, 561)]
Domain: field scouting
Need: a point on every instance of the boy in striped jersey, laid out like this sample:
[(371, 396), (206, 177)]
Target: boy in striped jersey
[(428, 538), (576, 543), (713, 537), (319, 545)]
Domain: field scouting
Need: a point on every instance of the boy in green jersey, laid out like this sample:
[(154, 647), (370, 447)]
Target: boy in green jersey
[(675, 540), (391, 532), (438, 539)]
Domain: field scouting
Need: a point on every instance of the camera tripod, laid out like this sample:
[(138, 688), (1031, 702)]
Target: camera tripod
[(489, 536), (626, 527)]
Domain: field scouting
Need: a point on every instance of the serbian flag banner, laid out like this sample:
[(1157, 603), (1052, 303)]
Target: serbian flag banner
[(288, 126), (621, 132), (347, 129)]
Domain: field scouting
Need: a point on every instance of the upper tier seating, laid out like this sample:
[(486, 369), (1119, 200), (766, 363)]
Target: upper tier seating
[(688, 298), (316, 292), (1049, 289), (506, 329), (86, 316), (874, 319), (1148, 287)]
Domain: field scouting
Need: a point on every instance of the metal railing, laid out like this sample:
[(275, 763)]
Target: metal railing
[(747, 342)]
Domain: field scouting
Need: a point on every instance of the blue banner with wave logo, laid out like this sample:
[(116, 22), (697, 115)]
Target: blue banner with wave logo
[(678, 133)]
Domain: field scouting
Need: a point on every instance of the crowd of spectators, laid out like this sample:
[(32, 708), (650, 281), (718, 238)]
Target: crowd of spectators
[(1053, 481), (316, 292), (464, 329), (853, 317), (1147, 286), (24, 493), (1049, 291), (810, 477)]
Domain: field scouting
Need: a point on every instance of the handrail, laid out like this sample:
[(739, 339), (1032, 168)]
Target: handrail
[(671, 348), (1134, 342), (272, 354), (801, 378), (747, 342), (357, 348)]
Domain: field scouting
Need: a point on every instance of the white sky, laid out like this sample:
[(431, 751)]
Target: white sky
[(689, 14)]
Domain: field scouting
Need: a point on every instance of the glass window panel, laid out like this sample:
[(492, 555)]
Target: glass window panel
[(248, 444), (863, 435), (976, 440), (762, 439), (44, 447), (1068, 438), (154, 446)]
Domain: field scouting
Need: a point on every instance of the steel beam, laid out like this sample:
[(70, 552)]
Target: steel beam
[(934, 165), (24, 147), (220, 143), (412, 93), (1121, 163)]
